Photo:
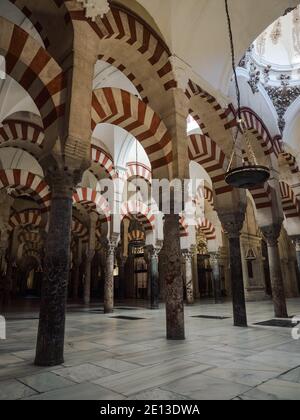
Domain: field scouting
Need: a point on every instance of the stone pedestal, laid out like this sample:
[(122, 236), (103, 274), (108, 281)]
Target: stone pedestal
[(233, 224), (109, 278), (214, 262), (189, 286), (50, 340), (173, 279), (271, 234)]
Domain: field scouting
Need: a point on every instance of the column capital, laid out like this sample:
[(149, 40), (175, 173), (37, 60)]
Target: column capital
[(153, 251), (187, 255), (214, 257), (232, 223), (62, 183), (272, 233)]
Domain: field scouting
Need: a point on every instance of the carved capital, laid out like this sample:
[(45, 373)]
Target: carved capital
[(272, 233), (152, 252), (62, 183), (214, 258), (232, 223), (187, 255)]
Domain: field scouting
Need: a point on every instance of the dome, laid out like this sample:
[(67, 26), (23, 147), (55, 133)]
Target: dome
[(279, 45)]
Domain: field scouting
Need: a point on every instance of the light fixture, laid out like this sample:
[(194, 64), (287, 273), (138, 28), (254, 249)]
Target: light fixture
[(251, 174)]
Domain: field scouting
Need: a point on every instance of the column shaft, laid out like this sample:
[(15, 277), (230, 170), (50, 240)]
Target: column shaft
[(214, 260), (154, 277), (272, 234), (278, 293), (173, 279), (50, 340), (109, 279), (237, 283), (189, 286)]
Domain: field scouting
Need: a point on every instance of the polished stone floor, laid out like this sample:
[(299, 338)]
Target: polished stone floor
[(108, 358)]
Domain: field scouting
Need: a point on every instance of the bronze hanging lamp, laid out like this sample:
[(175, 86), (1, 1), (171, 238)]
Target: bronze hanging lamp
[(250, 174)]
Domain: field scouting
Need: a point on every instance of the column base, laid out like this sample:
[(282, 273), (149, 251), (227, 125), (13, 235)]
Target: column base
[(47, 363), (108, 311)]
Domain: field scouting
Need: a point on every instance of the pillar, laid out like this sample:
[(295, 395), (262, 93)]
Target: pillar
[(153, 276), (109, 278), (233, 224), (189, 286), (77, 269), (89, 258), (51, 331), (297, 244), (271, 234), (214, 262), (122, 277), (173, 279)]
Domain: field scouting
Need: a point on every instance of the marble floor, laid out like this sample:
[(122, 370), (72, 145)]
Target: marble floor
[(108, 358)]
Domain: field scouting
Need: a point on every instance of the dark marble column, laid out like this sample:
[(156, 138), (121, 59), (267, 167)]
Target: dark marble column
[(109, 278), (77, 263), (122, 277), (50, 340), (153, 275), (89, 259), (214, 262), (173, 279), (271, 234), (297, 245), (189, 286), (233, 224)]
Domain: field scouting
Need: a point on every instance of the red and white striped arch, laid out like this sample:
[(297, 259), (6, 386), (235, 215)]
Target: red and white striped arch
[(262, 196), (79, 230), (256, 126), (37, 72), (122, 27), (207, 228), (203, 150), (136, 235), (24, 218), (136, 169), (183, 226), (290, 204), (92, 201), (24, 182), (140, 211), (29, 237), (14, 130), (102, 158), (226, 116), (121, 108)]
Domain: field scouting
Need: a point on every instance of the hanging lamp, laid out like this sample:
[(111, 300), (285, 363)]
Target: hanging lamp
[(251, 174)]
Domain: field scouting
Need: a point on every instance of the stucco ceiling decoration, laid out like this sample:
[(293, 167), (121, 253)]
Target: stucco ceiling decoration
[(95, 8)]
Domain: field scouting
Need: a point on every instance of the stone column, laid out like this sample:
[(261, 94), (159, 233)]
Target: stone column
[(122, 277), (109, 278), (271, 234), (173, 279), (89, 258), (297, 245), (153, 276), (214, 262), (189, 286), (50, 340), (233, 224), (77, 269)]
